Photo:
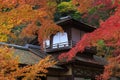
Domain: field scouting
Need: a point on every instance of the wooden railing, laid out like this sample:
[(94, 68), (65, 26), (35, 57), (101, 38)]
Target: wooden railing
[(61, 45)]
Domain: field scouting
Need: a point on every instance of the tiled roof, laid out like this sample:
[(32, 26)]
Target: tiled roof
[(29, 55), (26, 56)]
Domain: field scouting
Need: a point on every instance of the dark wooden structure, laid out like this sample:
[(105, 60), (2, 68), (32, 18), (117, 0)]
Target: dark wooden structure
[(73, 32), (84, 66)]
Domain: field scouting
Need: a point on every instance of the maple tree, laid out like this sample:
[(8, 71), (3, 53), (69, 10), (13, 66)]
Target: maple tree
[(17, 12), (95, 10), (28, 12), (31, 11), (84, 5), (10, 68), (109, 36), (13, 71)]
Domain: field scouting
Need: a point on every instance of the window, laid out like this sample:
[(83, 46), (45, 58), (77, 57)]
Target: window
[(60, 40)]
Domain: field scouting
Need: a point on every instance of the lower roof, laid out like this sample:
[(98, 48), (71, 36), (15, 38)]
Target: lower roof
[(28, 56)]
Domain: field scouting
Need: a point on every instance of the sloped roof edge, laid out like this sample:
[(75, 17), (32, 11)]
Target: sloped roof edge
[(70, 18), (13, 45)]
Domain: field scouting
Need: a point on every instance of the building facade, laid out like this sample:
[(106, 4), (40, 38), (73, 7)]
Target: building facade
[(84, 65)]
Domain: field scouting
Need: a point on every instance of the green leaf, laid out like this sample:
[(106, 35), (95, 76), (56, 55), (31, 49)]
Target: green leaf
[(101, 43)]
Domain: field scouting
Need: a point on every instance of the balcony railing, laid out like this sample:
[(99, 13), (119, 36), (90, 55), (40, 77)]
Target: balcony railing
[(62, 45)]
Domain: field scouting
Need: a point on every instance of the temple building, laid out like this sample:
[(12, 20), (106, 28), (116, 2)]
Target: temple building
[(84, 66)]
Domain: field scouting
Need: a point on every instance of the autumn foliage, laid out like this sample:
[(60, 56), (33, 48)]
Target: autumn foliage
[(11, 70), (84, 6), (45, 17), (28, 12), (111, 69), (17, 12), (109, 34), (93, 11)]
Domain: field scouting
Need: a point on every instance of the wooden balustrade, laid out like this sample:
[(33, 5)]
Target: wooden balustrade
[(68, 44)]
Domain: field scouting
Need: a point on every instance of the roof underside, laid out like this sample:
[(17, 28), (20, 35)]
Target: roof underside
[(77, 24)]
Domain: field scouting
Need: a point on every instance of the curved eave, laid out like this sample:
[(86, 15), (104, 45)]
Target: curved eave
[(75, 23)]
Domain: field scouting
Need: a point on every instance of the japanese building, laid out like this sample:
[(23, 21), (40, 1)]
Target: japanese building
[(84, 66)]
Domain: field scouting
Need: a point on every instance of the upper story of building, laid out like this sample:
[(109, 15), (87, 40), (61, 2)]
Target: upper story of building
[(73, 32)]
